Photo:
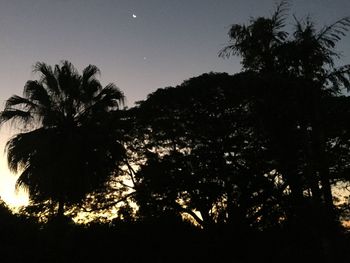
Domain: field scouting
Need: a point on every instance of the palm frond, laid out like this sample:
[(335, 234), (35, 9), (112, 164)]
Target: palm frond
[(29, 180), (303, 28), (69, 80), (15, 115), (227, 51), (18, 153), (111, 96), (89, 89), (23, 181), (238, 35), (29, 150), (332, 33), (90, 72), (89, 84), (340, 78), (35, 91), (279, 17), (17, 101), (48, 77)]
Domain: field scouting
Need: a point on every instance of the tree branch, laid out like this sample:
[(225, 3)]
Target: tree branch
[(109, 204), (191, 213)]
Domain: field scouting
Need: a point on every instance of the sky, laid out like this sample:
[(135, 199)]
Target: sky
[(140, 45)]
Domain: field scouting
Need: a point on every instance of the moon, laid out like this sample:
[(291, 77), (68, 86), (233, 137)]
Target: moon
[(134, 16)]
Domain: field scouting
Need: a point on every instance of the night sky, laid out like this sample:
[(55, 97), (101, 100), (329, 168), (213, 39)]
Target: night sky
[(139, 45)]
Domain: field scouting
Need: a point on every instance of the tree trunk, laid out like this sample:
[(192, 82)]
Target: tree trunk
[(60, 211), (321, 155), (311, 173), (296, 189)]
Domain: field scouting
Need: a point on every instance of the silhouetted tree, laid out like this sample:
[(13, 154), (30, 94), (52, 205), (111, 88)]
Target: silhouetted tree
[(204, 154), (66, 149), (299, 71)]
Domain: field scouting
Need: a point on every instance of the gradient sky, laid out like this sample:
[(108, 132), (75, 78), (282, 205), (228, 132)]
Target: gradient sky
[(168, 41)]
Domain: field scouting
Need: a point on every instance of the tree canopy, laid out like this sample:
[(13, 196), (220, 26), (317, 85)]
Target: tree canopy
[(66, 150)]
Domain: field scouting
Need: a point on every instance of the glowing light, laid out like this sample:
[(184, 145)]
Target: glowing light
[(7, 189), (8, 193), (134, 16)]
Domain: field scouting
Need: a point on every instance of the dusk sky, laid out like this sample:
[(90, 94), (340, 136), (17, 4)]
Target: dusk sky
[(140, 45)]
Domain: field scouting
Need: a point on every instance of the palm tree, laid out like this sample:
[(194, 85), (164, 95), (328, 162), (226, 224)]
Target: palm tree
[(66, 149), (301, 72), (259, 41), (313, 63)]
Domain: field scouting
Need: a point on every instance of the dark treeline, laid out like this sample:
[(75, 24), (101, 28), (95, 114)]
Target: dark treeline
[(222, 167)]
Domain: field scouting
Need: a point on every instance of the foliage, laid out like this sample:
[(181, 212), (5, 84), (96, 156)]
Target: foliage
[(204, 154), (299, 72), (67, 149)]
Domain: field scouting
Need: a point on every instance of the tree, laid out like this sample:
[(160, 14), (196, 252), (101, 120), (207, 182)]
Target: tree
[(201, 152), (299, 71), (66, 149)]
